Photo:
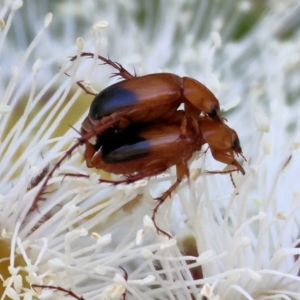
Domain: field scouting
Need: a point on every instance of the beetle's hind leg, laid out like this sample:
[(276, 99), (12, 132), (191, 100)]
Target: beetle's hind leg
[(82, 140), (121, 70)]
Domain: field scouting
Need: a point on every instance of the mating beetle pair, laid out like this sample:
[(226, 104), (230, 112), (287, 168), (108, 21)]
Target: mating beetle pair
[(141, 133)]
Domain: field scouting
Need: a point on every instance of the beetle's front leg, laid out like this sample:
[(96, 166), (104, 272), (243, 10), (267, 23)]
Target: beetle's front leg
[(227, 157), (181, 171)]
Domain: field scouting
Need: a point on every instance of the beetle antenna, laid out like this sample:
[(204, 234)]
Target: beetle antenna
[(57, 288)]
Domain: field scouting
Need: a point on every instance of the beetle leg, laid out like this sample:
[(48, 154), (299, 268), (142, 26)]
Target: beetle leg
[(181, 171), (225, 172), (78, 175), (89, 154), (57, 288), (191, 110), (133, 178), (121, 70), (183, 127), (222, 172), (79, 83), (82, 140), (227, 157), (188, 122)]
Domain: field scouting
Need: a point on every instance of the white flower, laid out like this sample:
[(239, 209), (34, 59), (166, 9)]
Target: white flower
[(98, 240)]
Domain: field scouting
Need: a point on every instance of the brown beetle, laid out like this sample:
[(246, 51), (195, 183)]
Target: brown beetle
[(140, 133), (146, 150), (149, 98)]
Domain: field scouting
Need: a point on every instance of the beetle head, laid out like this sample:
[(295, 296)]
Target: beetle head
[(214, 112), (236, 147)]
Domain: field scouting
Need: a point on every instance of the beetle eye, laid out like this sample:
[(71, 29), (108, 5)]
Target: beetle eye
[(214, 112), (236, 145)]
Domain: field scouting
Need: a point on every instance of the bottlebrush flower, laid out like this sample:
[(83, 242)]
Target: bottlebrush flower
[(98, 240)]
